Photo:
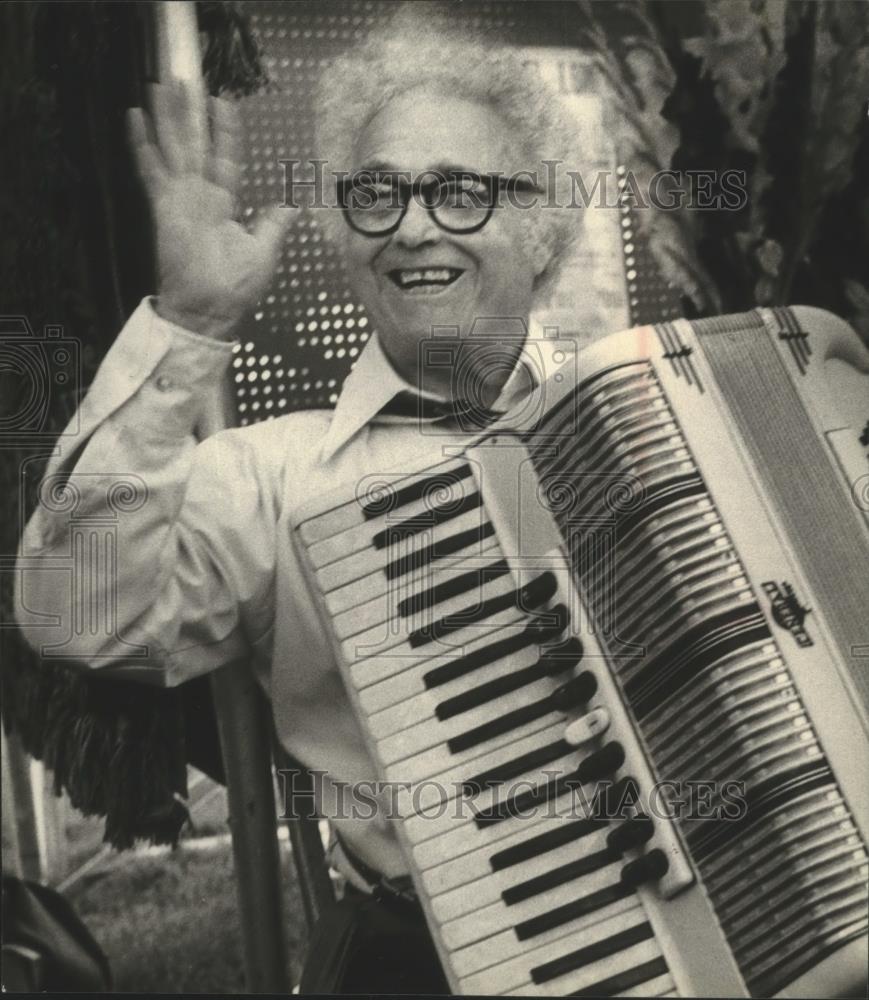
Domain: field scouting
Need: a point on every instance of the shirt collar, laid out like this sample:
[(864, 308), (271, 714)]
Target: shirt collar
[(373, 382)]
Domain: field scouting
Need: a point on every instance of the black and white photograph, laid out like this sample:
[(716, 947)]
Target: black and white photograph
[(434, 457)]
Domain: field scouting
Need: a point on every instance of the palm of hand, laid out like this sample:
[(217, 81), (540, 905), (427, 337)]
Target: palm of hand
[(211, 269), (207, 261)]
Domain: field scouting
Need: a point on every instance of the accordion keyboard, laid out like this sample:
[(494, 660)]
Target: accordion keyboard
[(468, 680)]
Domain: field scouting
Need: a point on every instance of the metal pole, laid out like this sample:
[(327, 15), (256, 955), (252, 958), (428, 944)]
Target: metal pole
[(244, 719), (315, 884)]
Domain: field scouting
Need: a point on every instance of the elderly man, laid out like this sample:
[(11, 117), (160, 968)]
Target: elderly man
[(441, 138)]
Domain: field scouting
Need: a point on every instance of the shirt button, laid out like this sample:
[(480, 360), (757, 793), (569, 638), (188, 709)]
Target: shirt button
[(164, 383)]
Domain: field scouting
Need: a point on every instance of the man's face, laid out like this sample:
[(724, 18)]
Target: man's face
[(424, 131)]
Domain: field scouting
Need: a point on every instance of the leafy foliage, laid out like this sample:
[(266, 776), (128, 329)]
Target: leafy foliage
[(774, 88)]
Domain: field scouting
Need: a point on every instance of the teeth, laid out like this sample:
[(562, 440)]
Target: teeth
[(439, 275)]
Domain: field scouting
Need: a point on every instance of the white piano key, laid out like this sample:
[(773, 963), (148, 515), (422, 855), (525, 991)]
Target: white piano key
[(447, 872), (504, 946), (660, 986), (332, 520), (590, 975), (357, 592), (386, 635), (414, 740), (354, 563), (515, 973), (377, 697), (372, 669), (422, 706), (488, 888), (386, 606), (471, 763), (458, 842), (429, 795), (432, 798), (497, 916)]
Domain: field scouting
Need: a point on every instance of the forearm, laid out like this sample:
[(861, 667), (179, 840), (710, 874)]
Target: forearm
[(98, 557)]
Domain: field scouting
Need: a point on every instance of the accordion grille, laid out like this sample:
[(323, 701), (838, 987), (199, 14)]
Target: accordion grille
[(773, 841)]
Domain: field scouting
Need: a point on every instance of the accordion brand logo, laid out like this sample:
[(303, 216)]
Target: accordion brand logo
[(787, 611)]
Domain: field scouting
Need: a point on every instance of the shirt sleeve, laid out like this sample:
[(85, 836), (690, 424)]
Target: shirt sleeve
[(140, 558)]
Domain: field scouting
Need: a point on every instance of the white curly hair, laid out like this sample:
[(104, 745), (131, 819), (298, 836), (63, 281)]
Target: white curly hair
[(414, 51)]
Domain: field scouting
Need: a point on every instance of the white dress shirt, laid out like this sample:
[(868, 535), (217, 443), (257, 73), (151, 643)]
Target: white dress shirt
[(205, 570)]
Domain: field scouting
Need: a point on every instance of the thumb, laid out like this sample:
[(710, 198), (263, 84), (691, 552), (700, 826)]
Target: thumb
[(270, 229)]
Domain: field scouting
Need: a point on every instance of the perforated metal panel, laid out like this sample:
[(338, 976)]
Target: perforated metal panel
[(302, 341), (651, 299)]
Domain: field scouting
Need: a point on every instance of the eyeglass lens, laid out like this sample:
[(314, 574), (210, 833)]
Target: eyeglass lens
[(375, 204)]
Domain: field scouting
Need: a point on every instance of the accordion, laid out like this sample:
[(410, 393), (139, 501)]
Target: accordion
[(613, 654)]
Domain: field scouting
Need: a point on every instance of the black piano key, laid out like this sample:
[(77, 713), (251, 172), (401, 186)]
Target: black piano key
[(531, 596), (472, 580), (558, 836), (598, 765), (602, 763), (425, 520), (561, 915), (518, 804), (614, 800), (440, 549), (516, 767), (559, 876), (591, 953), (503, 724), (649, 868), (616, 985), (577, 691), (539, 630), (390, 500), (546, 666), (633, 832)]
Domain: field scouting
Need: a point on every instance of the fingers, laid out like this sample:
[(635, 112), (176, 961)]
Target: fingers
[(149, 162), (270, 230), (179, 119), (225, 166), (164, 114)]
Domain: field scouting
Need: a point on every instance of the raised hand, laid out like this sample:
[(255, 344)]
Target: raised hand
[(211, 270)]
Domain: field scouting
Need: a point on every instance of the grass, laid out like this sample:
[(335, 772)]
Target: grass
[(169, 923)]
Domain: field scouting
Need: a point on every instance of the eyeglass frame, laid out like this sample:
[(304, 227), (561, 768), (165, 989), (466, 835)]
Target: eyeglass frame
[(407, 190)]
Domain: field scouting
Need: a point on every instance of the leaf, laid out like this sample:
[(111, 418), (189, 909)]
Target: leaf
[(770, 256), (743, 51), (840, 87), (640, 83)]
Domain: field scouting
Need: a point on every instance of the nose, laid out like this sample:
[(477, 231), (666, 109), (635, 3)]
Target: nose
[(417, 227)]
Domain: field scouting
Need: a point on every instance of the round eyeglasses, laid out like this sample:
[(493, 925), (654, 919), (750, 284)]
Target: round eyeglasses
[(375, 202)]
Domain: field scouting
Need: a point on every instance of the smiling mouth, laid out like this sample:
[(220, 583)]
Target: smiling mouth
[(425, 279)]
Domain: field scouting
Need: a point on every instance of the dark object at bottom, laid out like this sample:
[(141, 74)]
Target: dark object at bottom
[(366, 945), (46, 947)]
